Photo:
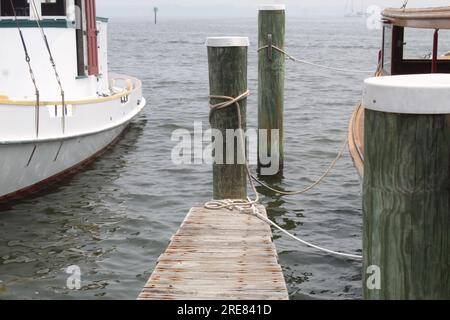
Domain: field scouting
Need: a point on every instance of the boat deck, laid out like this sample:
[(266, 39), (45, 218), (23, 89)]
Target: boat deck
[(218, 255)]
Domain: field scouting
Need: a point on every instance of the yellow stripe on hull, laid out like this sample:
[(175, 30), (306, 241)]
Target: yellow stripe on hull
[(132, 84)]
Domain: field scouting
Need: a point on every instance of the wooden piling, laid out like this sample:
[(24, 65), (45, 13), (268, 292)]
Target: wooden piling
[(406, 188), (227, 58), (271, 75)]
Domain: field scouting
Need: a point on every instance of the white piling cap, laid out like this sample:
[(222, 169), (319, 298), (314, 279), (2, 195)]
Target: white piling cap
[(272, 7), (409, 94), (227, 42)]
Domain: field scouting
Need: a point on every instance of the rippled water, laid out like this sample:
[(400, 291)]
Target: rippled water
[(116, 217)]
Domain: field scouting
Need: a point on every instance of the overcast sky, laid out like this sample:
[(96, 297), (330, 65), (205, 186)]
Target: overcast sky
[(223, 8)]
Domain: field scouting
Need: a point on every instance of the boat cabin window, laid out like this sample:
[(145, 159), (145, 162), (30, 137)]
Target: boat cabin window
[(22, 8), (410, 50), (54, 8), (418, 43)]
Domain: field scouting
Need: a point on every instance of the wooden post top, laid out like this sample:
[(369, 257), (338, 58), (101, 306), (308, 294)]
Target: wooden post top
[(221, 42), (408, 94), (272, 7)]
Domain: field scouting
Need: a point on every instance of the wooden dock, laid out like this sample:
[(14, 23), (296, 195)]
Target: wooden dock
[(218, 255)]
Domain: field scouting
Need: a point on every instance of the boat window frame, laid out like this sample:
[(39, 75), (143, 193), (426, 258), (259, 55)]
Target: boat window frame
[(62, 14), (20, 14), (401, 66), (386, 53)]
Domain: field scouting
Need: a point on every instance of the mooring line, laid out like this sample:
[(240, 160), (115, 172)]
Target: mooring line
[(53, 64), (312, 186), (31, 155), (250, 205), (312, 63), (30, 69)]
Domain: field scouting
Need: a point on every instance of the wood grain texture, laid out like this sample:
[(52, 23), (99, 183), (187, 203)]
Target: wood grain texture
[(228, 77), (218, 255), (271, 78), (407, 204)]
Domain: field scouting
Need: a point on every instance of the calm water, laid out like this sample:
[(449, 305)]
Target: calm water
[(115, 218)]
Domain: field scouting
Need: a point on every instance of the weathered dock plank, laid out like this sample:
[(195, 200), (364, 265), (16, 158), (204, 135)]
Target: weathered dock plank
[(218, 255)]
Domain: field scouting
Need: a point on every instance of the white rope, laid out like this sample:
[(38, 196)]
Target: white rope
[(312, 63), (249, 204), (346, 255), (312, 186)]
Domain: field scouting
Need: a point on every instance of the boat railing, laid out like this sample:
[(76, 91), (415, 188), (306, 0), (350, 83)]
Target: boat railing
[(120, 86), (124, 85)]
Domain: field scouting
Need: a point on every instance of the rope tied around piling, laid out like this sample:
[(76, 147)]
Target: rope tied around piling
[(312, 63), (229, 101), (231, 204), (249, 206)]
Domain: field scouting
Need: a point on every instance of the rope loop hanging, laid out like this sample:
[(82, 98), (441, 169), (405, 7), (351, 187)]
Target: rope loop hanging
[(250, 206)]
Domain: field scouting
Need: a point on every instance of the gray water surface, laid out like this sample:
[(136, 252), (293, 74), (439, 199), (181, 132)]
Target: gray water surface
[(116, 217)]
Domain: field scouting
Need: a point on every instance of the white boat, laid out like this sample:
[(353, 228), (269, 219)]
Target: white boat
[(72, 120)]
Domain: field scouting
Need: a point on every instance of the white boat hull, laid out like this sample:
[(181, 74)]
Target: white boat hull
[(28, 166)]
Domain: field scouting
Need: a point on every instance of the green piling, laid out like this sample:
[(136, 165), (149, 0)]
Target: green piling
[(227, 60), (271, 76), (406, 192)]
